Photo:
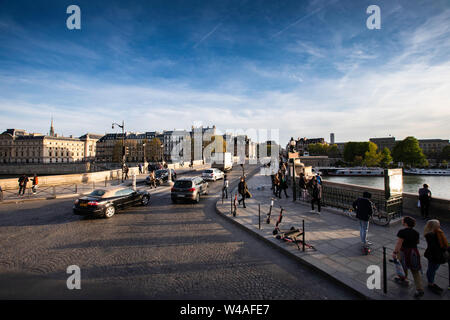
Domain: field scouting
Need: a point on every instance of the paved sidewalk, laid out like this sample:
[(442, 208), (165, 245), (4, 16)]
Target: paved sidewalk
[(76, 190), (336, 239)]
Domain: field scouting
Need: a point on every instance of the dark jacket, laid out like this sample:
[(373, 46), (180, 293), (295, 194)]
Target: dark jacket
[(302, 183), (317, 191), (242, 187), (434, 253), (424, 194), (363, 208)]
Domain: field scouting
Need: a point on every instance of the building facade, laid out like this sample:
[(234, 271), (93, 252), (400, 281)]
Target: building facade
[(18, 146)]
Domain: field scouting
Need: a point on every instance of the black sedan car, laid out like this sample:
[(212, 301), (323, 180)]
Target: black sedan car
[(105, 202)]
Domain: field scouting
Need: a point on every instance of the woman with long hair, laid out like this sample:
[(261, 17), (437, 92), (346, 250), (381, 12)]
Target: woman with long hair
[(435, 253)]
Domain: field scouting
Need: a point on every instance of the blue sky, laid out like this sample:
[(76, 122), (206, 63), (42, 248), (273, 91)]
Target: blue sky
[(307, 68)]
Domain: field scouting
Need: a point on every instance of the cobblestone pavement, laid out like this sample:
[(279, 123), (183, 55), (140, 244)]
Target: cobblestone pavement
[(336, 238), (163, 251)]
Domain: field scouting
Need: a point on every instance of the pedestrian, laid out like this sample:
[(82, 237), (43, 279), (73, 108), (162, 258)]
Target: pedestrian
[(125, 172), (272, 179), (316, 196), (23, 180), (276, 181), (225, 187), (364, 210), (406, 251), (35, 181), (424, 200), (319, 178), (153, 179), (243, 190), (283, 185), (140, 168), (1, 194), (437, 252), (302, 185)]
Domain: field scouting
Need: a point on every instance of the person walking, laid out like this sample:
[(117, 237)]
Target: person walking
[(364, 210), (243, 190), (302, 184), (316, 196), (225, 187), (424, 200), (1, 194), (276, 181), (35, 181), (436, 252), (23, 180), (283, 185), (125, 172), (153, 179), (407, 253), (140, 168)]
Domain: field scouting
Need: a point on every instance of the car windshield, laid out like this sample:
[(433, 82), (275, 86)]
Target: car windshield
[(160, 172), (208, 171), (97, 193), (183, 184)]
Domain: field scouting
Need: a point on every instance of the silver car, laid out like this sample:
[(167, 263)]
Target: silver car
[(212, 174), (189, 189)]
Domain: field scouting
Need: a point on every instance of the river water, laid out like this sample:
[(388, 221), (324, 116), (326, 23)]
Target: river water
[(439, 185)]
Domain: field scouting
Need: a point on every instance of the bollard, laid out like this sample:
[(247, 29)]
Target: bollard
[(106, 181), (384, 271), (303, 235), (231, 203), (76, 188), (259, 216)]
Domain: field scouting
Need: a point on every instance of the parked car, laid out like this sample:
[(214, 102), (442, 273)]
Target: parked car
[(189, 189), (106, 201), (212, 174), (162, 176)]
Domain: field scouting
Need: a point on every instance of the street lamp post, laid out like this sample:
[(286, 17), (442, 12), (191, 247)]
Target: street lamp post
[(292, 150), (145, 161), (123, 143)]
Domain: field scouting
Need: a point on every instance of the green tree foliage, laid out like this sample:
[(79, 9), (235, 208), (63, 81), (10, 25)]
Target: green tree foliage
[(323, 149), (445, 154), (409, 152), (386, 158), (354, 149), (372, 158)]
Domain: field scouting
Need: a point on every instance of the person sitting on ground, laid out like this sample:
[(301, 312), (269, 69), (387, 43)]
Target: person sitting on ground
[(364, 210), (437, 248)]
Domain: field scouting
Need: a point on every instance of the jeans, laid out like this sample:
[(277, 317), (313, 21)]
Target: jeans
[(363, 230), (318, 203), (431, 271)]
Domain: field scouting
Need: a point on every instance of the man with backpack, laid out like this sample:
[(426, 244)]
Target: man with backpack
[(364, 210)]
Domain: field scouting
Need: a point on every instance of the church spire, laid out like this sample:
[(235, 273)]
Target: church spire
[(52, 130)]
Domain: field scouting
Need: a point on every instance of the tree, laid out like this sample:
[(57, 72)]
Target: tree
[(386, 158), (354, 149), (409, 152), (372, 158), (445, 154)]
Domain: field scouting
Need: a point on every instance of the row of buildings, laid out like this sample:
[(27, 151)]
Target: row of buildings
[(18, 146), (430, 147)]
